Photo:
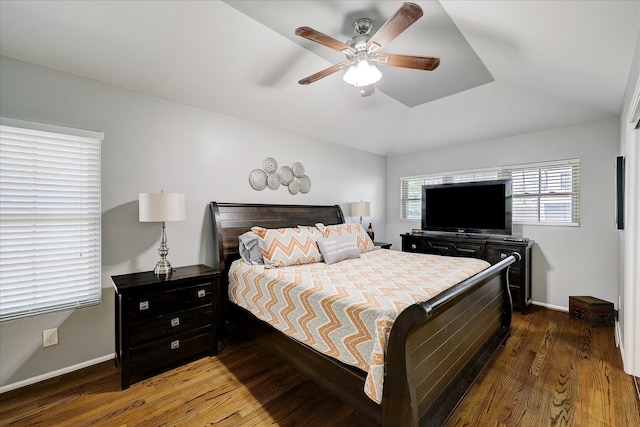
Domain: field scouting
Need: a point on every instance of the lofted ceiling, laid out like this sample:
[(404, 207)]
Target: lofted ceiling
[(507, 67)]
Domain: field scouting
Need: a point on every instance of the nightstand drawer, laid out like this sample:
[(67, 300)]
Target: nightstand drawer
[(150, 357), (162, 321), (150, 305), (170, 324)]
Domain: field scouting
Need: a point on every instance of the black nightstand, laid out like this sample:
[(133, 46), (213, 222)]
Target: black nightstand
[(165, 321), (383, 245)]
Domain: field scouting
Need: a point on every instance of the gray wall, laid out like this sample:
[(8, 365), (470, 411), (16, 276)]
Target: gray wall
[(152, 144), (566, 260)]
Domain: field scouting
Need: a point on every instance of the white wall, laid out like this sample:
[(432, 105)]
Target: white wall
[(152, 144), (566, 260), (629, 330)]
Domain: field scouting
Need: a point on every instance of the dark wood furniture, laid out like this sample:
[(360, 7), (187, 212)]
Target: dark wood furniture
[(436, 348), (383, 245), (491, 249), (164, 321)]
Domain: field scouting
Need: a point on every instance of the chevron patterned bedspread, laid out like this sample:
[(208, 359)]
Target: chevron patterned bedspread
[(346, 310)]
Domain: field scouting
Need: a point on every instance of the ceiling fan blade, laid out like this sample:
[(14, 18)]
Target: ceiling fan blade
[(400, 21), (323, 39), (324, 73), (409, 61)]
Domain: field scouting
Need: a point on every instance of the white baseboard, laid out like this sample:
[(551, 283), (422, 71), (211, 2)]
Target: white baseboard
[(551, 306), (618, 335), (57, 373)]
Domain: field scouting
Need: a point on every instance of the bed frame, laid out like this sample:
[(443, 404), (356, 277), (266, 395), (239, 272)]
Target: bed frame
[(436, 348)]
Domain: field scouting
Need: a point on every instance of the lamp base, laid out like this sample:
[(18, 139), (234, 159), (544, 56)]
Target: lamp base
[(163, 267)]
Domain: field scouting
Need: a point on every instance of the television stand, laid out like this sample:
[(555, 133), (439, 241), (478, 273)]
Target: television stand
[(489, 248)]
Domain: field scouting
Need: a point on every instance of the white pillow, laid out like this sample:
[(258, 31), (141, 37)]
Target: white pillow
[(357, 233), (338, 248)]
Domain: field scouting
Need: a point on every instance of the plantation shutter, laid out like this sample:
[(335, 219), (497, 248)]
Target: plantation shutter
[(49, 218)]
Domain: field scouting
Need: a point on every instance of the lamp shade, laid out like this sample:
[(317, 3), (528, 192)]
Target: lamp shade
[(159, 207), (362, 74), (361, 209)]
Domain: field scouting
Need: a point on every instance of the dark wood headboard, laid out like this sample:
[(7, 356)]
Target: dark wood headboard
[(230, 220)]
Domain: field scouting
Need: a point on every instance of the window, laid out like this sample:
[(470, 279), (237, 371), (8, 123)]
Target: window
[(49, 218), (547, 193), (543, 193)]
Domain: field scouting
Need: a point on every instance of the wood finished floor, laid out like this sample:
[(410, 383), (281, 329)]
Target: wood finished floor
[(554, 371)]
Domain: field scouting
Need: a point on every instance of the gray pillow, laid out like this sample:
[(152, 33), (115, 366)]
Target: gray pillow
[(338, 248), (249, 249)]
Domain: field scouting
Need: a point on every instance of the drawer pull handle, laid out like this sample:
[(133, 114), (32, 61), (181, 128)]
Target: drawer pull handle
[(175, 344), (201, 293), (414, 246), (175, 322), (144, 305)]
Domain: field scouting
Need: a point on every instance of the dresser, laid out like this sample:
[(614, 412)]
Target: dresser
[(162, 322), (491, 249)]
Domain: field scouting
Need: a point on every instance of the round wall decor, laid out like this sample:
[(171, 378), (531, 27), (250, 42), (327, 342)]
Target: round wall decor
[(305, 184), (286, 175), (273, 181), (258, 179), (270, 165), (294, 187), (293, 177), (298, 169)]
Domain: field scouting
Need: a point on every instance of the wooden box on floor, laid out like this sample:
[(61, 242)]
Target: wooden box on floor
[(594, 311)]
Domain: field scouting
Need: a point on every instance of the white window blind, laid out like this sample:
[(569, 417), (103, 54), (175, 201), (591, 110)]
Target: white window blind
[(543, 193), (546, 193), (49, 218)]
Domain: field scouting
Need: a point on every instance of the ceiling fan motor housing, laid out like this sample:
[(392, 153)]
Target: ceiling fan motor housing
[(362, 26)]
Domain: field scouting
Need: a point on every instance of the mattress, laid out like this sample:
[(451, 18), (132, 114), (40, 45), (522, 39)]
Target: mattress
[(346, 310)]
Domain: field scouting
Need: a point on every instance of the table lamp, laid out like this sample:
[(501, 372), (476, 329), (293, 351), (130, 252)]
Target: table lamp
[(161, 207)]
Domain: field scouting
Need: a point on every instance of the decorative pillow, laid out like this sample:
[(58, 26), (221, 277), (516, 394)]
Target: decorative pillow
[(249, 248), (338, 248), (357, 233), (281, 247)]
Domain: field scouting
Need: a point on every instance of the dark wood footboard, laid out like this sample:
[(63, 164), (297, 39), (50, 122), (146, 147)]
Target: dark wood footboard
[(436, 348)]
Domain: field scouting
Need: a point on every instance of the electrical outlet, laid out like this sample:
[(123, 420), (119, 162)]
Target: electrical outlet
[(50, 337)]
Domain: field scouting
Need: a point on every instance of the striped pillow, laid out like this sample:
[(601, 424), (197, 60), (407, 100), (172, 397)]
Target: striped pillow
[(360, 236), (281, 247)]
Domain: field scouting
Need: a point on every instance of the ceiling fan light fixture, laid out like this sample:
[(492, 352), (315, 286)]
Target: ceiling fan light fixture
[(362, 74)]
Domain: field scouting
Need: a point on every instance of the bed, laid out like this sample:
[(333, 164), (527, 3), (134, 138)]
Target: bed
[(477, 311)]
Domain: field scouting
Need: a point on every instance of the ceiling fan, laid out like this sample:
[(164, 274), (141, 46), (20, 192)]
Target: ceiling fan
[(363, 50)]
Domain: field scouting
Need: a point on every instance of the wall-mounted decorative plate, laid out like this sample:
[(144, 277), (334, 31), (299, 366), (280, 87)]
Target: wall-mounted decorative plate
[(270, 165), (286, 175), (298, 169), (273, 181), (293, 177), (258, 179), (294, 187), (305, 184)]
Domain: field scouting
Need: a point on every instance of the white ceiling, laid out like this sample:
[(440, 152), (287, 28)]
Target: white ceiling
[(553, 63)]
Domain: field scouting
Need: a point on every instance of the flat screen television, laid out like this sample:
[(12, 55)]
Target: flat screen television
[(481, 207)]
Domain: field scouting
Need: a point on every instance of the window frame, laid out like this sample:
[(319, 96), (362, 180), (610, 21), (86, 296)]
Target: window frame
[(412, 199), (61, 211)]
